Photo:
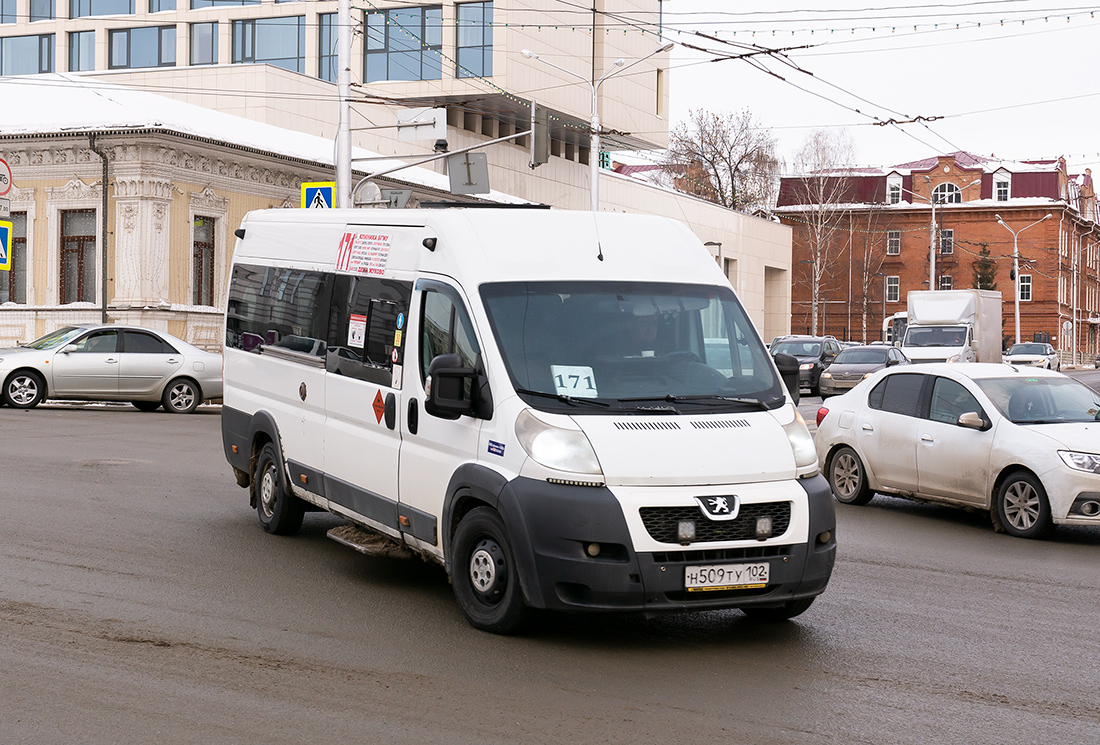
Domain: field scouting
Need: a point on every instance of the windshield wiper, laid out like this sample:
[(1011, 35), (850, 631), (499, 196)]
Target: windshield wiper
[(705, 398), (572, 400)]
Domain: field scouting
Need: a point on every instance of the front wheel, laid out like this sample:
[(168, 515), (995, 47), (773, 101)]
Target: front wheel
[(484, 573), (24, 390), (790, 609), (848, 479), (181, 396), (280, 512), (1022, 506)]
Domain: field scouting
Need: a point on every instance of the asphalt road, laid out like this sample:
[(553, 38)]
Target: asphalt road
[(140, 602)]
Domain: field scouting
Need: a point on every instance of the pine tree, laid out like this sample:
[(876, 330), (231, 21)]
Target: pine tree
[(985, 270)]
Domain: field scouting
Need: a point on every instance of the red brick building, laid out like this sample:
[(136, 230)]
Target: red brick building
[(867, 236)]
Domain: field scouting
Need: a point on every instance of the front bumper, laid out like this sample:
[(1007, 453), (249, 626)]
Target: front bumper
[(553, 526)]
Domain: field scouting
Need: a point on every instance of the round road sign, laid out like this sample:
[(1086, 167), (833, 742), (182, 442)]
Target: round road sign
[(5, 177)]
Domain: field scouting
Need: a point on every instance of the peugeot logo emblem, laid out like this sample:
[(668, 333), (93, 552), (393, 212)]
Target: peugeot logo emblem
[(724, 507)]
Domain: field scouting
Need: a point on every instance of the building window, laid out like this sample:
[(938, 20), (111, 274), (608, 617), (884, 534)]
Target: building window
[(82, 8), (946, 282), (26, 55), (893, 288), (7, 11), (947, 194), (78, 248), (1025, 287), (947, 241), (275, 41), (156, 6), (196, 4), (204, 43), (202, 253), (893, 193), (327, 52), (42, 10), (81, 51), (474, 34), (13, 287), (893, 242), (1000, 191), (151, 46), (404, 44)]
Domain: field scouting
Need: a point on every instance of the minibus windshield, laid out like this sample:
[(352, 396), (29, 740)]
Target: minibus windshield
[(665, 348)]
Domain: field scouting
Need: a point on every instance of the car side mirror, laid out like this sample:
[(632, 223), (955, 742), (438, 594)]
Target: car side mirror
[(446, 386), (787, 365), (69, 348), (973, 420), (891, 362)]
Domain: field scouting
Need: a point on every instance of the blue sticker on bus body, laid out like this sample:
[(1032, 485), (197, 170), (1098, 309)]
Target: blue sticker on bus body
[(496, 448), (400, 320)]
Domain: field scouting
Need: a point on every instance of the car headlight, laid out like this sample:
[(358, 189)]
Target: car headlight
[(556, 447), (802, 445), (1081, 461), (827, 375), (867, 375), (954, 358), (806, 366)]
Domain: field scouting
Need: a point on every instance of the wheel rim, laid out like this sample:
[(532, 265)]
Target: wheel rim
[(182, 396), (846, 475), (23, 390), (268, 491), (488, 572), (1021, 505)]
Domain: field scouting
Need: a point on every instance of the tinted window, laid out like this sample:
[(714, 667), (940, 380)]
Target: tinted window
[(287, 308), (98, 342), (445, 328), (138, 342), (364, 327), (950, 400), (861, 356), (898, 393)]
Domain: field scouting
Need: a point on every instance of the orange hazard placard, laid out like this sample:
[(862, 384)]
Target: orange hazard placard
[(379, 406)]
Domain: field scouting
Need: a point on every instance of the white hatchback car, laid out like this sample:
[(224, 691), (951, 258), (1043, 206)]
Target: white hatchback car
[(1032, 354), (110, 362), (1023, 444)]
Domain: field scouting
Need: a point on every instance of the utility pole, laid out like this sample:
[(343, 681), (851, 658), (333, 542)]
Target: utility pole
[(343, 93)]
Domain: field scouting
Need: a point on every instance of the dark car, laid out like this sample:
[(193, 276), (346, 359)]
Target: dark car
[(856, 363), (814, 354)]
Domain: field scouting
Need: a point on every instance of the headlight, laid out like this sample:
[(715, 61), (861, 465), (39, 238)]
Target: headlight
[(1081, 461), (556, 447), (827, 375), (806, 366), (954, 358), (867, 375), (802, 445)]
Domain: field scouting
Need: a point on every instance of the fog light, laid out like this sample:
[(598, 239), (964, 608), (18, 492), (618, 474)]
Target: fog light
[(824, 537), (593, 549), (685, 531), (763, 528)]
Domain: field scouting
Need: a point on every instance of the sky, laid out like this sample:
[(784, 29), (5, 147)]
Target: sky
[(1025, 90)]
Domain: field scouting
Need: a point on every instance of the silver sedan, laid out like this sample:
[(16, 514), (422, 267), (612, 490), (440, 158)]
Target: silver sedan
[(108, 362)]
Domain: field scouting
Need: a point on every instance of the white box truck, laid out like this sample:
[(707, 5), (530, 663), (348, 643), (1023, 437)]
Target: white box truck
[(953, 326), (566, 410)]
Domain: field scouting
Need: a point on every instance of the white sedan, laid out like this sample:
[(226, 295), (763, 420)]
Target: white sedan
[(108, 362), (1023, 444), (1032, 354)]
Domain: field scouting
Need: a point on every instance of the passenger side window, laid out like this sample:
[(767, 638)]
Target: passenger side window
[(898, 393), (286, 308), (138, 342), (445, 328), (98, 342), (950, 400), (367, 324)]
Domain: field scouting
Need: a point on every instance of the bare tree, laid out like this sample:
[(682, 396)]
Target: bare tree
[(823, 188), (872, 254), (725, 158)]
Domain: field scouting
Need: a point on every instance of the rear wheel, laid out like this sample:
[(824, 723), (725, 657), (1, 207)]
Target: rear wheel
[(280, 512), (790, 609), (24, 390), (848, 479), (146, 405), (182, 396), (484, 574), (1022, 506)]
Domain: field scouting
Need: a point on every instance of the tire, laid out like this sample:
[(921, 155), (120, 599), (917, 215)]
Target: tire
[(146, 405), (484, 574), (1022, 506), (848, 478), (788, 610), (280, 511), (181, 396), (24, 389)]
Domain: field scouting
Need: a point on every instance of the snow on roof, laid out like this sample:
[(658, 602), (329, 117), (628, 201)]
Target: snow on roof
[(904, 205), (60, 103)]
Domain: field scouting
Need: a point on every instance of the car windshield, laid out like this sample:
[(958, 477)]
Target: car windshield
[(55, 339), (1028, 349), (935, 336), (798, 348), (1042, 400), (613, 346), (861, 356)]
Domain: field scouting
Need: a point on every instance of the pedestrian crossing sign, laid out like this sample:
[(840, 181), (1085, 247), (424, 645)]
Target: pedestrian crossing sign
[(5, 245), (318, 194)]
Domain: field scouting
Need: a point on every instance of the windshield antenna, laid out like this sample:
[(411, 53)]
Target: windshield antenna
[(599, 246)]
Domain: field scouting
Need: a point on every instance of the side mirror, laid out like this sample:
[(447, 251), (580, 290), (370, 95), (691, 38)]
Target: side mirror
[(447, 388), (69, 348), (890, 362), (973, 420), (788, 370)]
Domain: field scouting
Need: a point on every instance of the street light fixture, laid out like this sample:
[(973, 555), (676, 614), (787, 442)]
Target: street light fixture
[(1016, 263), (933, 239), (617, 66)]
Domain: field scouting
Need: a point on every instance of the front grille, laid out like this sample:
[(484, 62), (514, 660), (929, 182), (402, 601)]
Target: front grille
[(661, 522)]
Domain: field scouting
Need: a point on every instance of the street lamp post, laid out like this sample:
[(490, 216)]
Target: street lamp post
[(617, 66), (1016, 263), (933, 238)]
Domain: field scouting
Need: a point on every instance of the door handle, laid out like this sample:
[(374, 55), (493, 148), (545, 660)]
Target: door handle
[(927, 438), (868, 427), (414, 416), (171, 360), (111, 361), (389, 410)]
